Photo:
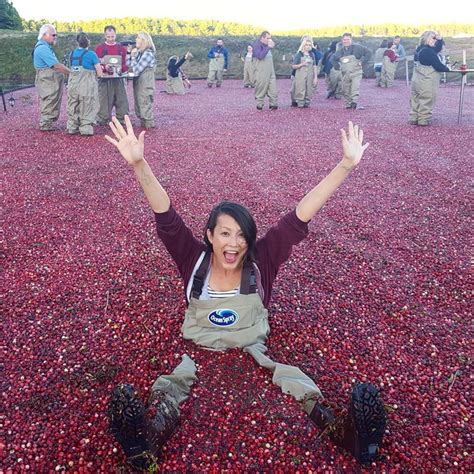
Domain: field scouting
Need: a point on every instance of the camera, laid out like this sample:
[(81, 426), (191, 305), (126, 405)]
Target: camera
[(128, 43)]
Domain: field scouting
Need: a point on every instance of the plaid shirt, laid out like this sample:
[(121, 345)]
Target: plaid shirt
[(141, 61)]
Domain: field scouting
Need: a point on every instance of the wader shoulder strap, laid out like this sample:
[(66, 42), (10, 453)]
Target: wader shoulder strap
[(78, 58), (248, 284), (200, 276)]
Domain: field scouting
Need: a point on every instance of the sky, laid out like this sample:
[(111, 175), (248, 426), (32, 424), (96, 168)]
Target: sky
[(271, 15)]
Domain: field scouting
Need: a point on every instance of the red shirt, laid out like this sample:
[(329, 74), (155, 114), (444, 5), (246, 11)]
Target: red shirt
[(104, 49), (391, 54)]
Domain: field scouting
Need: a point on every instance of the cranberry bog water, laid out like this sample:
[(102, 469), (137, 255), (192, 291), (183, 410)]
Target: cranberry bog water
[(379, 291)]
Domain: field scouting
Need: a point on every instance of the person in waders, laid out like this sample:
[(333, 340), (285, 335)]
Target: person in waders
[(175, 81), (265, 78), (49, 80), (333, 77), (112, 92), (83, 91), (249, 67), (389, 66), (218, 63), (142, 63), (306, 74), (228, 277), (349, 60), (426, 76), (378, 61)]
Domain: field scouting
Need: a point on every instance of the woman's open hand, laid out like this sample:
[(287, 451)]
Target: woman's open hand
[(126, 142), (352, 146)]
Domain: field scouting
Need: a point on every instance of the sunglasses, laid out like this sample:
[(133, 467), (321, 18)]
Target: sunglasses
[(54, 35)]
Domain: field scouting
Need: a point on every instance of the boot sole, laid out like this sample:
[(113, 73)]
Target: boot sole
[(370, 421)]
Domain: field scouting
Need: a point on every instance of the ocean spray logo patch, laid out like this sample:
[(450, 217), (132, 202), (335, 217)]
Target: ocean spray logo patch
[(223, 317)]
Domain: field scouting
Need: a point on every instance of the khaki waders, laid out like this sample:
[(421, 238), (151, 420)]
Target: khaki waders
[(351, 70), (249, 72), (174, 85), (388, 72), (82, 101), (238, 321), (112, 93), (265, 82), (424, 90), (50, 91), (216, 71), (143, 95), (334, 83), (303, 83)]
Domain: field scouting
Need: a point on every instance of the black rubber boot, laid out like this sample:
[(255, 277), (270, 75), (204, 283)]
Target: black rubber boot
[(128, 425), (162, 419), (361, 431)]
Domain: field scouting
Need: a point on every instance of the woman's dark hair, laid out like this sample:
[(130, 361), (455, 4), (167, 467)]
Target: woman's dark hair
[(389, 44), (384, 43), (82, 40), (242, 216), (332, 46)]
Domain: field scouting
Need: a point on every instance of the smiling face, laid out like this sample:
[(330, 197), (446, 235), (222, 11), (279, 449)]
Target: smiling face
[(110, 36), (346, 41), (228, 243)]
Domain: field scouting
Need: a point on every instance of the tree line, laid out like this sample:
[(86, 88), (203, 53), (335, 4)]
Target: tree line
[(9, 19)]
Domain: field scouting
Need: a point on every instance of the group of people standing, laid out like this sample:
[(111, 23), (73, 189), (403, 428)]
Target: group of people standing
[(96, 80)]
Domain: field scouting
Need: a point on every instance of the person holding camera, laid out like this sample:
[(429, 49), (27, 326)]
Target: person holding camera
[(142, 63), (49, 77), (426, 77), (175, 78), (265, 79), (112, 92), (83, 92)]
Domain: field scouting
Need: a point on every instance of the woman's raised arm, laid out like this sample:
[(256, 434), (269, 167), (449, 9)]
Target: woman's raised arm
[(352, 154), (132, 149)]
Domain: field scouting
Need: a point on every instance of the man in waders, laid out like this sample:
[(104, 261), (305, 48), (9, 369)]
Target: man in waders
[(265, 79), (349, 60), (49, 77), (218, 62), (112, 91)]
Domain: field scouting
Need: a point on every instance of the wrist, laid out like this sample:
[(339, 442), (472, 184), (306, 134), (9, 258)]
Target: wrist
[(346, 164)]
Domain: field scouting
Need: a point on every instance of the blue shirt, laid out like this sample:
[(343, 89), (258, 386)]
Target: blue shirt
[(219, 50), (89, 60), (43, 55)]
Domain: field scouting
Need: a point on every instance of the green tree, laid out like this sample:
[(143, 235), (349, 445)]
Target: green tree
[(9, 17)]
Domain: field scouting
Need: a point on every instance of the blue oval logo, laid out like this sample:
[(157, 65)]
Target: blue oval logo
[(223, 317)]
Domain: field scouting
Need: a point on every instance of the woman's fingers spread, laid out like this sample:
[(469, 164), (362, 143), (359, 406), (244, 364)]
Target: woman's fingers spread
[(351, 129), (114, 129), (119, 127), (111, 140), (129, 126)]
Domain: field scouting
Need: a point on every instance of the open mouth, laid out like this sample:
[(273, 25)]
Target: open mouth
[(230, 256)]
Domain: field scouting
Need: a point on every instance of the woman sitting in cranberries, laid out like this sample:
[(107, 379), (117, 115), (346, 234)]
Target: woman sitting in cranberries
[(228, 276)]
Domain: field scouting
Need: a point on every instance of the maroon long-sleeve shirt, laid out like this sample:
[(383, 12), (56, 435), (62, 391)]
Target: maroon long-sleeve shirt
[(271, 250)]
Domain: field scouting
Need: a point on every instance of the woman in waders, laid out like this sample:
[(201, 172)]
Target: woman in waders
[(228, 279), (142, 63)]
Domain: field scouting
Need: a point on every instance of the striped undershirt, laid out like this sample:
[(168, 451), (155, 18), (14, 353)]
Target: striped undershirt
[(221, 294)]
